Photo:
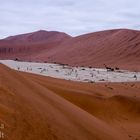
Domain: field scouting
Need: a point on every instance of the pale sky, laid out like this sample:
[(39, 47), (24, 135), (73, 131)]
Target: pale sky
[(74, 17)]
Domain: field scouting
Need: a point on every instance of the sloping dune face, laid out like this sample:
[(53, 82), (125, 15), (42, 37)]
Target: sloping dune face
[(117, 104), (30, 110), (117, 48)]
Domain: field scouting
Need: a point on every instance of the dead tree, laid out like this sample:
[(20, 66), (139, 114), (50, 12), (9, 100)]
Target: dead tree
[(135, 76), (116, 68), (108, 68)]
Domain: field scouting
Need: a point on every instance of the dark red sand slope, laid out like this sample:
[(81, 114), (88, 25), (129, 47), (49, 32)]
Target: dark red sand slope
[(39, 36), (115, 48), (25, 46)]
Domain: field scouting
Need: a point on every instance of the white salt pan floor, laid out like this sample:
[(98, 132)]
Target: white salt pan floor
[(83, 74)]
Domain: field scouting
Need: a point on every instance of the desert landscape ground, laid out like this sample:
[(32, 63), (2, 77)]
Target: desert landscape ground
[(38, 107), (83, 74), (57, 87)]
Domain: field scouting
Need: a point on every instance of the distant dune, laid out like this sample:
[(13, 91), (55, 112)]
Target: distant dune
[(115, 48), (26, 46), (39, 36), (40, 108)]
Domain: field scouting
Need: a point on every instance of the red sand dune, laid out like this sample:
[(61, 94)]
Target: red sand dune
[(25, 46), (116, 48), (39, 36), (34, 107)]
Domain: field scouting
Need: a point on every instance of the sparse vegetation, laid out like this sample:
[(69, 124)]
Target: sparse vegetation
[(116, 68), (109, 68), (16, 59)]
